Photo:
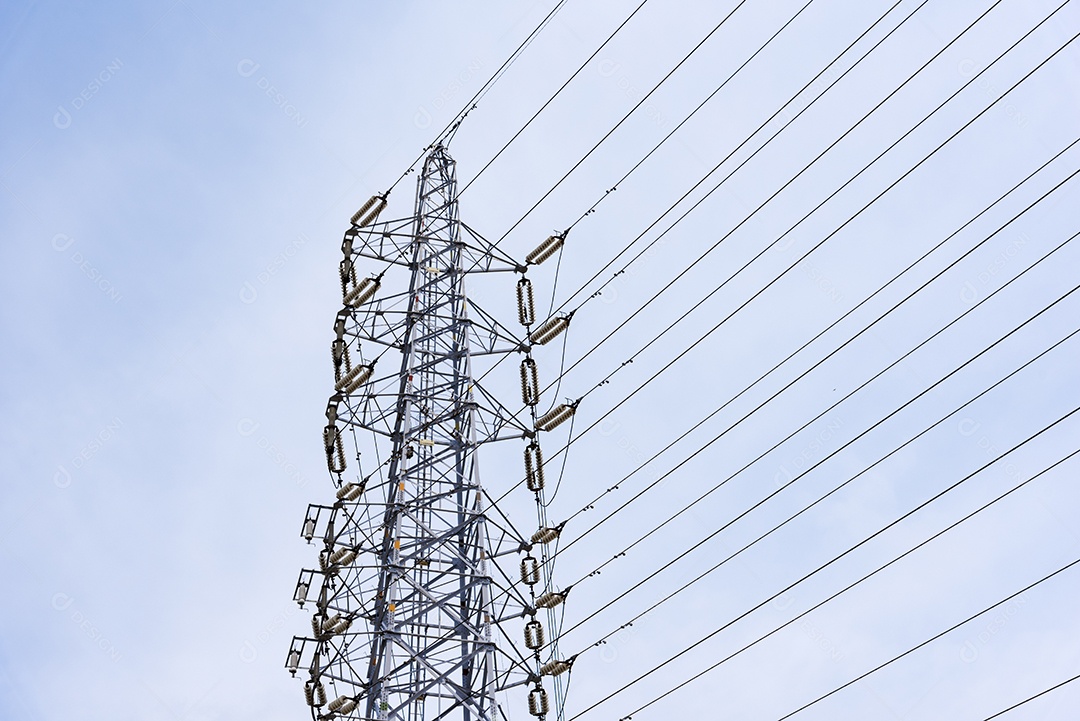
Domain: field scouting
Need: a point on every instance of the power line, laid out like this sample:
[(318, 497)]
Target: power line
[(1032, 698), (886, 313), (852, 310), (623, 120), (779, 490), (707, 175), (762, 290), (475, 99), (935, 637), (851, 479), (876, 571), (810, 574), (552, 98), (740, 146), (797, 175), (686, 270), (702, 104), (820, 205)]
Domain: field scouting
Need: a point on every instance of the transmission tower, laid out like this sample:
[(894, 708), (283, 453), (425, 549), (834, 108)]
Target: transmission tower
[(413, 613)]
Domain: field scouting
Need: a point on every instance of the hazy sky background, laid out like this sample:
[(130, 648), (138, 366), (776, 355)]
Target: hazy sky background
[(174, 181)]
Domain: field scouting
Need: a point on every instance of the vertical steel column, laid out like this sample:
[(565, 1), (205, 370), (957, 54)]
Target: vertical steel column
[(409, 586), (433, 578)]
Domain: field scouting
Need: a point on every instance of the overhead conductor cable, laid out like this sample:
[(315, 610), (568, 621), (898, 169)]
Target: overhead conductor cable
[(882, 193), (865, 328), (809, 575), (821, 203), (526, 305), (846, 444)]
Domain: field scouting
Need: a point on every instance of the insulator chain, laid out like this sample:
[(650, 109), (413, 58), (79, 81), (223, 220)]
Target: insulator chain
[(556, 416), (369, 211), (530, 382), (334, 558), (349, 378), (342, 362), (538, 572), (534, 467), (350, 492), (315, 694), (546, 249), (538, 701), (347, 271), (530, 573), (335, 451), (550, 330), (351, 373), (526, 304), (360, 293), (358, 376), (341, 705)]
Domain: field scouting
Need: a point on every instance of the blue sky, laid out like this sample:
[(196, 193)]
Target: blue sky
[(174, 181)]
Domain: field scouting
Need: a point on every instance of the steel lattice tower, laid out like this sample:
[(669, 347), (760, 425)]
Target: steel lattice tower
[(407, 605)]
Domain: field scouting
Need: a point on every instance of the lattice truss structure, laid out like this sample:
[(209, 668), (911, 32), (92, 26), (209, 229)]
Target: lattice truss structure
[(414, 613)]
